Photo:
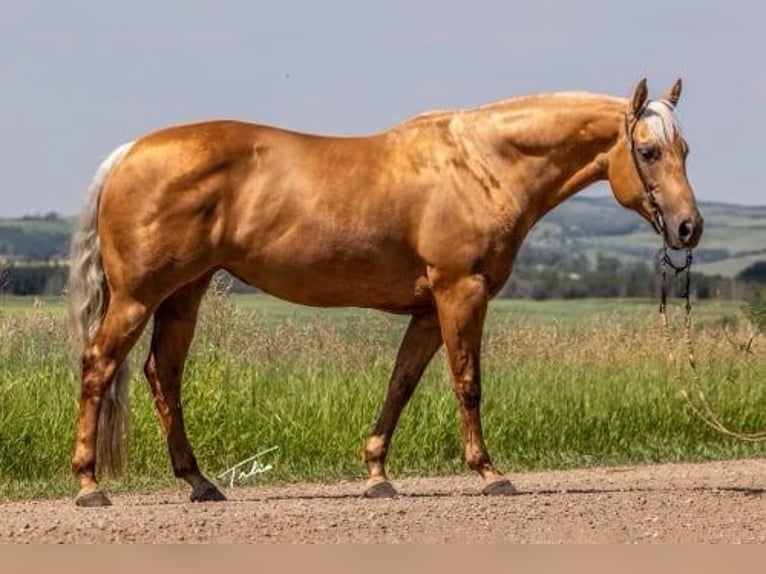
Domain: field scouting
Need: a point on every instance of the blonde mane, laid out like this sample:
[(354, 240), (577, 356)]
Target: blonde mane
[(661, 120)]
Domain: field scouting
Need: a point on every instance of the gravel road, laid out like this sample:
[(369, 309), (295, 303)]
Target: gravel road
[(712, 502)]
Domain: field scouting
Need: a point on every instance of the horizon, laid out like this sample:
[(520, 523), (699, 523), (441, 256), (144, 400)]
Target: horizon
[(580, 196)]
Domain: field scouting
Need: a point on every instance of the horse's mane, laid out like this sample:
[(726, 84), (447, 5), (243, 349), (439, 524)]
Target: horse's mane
[(661, 120), (558, 97)]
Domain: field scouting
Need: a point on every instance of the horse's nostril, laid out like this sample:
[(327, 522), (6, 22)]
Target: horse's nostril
[(685, 230)]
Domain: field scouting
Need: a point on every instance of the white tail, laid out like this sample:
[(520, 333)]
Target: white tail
[(86, 293)]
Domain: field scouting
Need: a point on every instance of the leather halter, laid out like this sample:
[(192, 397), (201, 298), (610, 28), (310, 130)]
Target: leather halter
[(658, 219)]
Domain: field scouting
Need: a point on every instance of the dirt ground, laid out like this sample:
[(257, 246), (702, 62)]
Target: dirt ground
[(713, 502)]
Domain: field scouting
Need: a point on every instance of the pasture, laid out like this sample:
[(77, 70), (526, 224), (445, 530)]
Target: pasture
[(566, 384)]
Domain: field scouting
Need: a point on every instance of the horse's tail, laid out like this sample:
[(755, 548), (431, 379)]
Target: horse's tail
[(87, 298)]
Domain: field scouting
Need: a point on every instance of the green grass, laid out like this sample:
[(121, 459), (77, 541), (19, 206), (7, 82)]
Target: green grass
[(566, 383), (25, 304)]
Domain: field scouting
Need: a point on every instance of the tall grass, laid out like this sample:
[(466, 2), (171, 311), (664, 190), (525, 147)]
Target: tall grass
[(562, 388)]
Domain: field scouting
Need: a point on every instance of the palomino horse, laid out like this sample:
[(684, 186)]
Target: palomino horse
[(424, 219)]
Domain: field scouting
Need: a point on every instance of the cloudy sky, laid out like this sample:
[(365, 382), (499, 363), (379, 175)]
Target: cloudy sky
[(81, 77)]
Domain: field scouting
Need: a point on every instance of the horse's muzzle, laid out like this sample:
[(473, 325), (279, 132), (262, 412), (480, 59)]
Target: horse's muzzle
[(686, 233)]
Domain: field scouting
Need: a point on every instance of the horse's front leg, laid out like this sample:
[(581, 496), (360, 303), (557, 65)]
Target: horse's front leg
[(420, 343), (462, 306)]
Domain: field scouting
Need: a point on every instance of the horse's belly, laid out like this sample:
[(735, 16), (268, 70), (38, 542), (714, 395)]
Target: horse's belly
[(391, 285)]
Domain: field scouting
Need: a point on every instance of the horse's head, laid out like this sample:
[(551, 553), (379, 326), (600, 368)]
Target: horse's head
[(647, 168)]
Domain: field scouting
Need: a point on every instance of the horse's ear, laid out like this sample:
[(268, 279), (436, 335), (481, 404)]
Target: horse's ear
[(673, 93), (640, 94)]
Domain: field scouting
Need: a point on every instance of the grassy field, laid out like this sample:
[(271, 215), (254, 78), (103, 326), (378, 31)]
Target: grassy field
[(566, 383)]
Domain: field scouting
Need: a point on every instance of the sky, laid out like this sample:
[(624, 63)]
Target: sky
[(81, 77)]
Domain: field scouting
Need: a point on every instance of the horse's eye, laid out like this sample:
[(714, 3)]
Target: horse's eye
[(649, 154)]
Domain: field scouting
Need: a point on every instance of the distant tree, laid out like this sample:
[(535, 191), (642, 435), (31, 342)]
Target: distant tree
[(755, 273), (29, 245), (756, 310), (37, 279), (638, 280), (4, 272)]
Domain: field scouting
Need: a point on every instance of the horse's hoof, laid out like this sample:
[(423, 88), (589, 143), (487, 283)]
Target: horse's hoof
[(383, 489), (92, 499), (501, 487), (206, 492)]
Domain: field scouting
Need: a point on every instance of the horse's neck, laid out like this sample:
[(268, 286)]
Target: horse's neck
[(552, 146)]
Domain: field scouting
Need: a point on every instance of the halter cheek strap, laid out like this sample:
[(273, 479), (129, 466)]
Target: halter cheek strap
[(658, 221)]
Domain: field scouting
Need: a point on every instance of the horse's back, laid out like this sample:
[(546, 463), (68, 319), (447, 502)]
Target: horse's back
[(290, 213)]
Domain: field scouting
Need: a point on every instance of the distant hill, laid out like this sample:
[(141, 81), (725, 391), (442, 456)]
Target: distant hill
[(735, 236), (36, 238)]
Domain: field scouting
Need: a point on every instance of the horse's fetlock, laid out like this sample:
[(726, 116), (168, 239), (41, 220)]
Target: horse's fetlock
[(375, 448)]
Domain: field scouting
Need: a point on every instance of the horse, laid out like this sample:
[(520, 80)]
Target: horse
[(424, 219)]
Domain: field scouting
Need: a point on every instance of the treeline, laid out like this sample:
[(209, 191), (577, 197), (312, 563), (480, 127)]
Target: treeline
[(534, 277), (561, 277), (34, 278), (35, 237)]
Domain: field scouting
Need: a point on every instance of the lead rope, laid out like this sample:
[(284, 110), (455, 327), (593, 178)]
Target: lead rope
[(702, 408)]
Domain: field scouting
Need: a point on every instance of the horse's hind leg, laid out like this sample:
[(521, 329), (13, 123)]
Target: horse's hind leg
[(174, 323), (122, 323), (421, 341)]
